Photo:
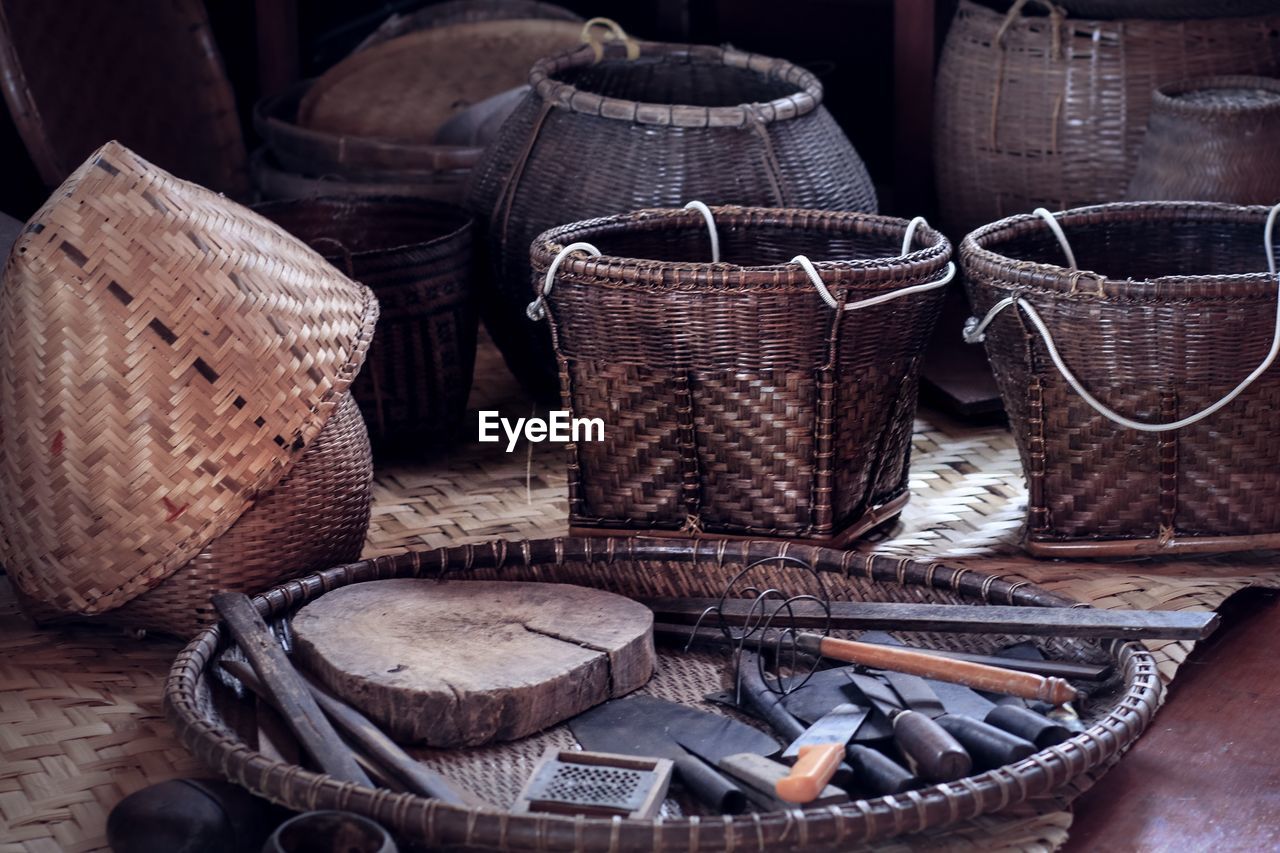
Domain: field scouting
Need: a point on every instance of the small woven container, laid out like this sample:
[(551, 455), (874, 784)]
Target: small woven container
[(1212, 139), (1171, 307), (647, 125), (735, 400), (174, 415), (1115, 713), (416, 257), (1050, 109), (148, 74)]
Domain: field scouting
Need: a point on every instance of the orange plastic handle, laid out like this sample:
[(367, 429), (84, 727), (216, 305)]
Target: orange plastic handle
[(811, 773)]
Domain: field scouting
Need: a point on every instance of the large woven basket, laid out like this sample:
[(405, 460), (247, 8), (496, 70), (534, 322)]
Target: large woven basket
[(1171, 308), (416, 257), (735, 400), (146, 73), (674, 123), (1051, 110), (1212, 139), (166, 358), (1116, 712)]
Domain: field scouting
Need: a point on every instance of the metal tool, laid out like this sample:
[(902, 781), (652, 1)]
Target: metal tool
[(648, 726), (760, 777), (935, 754), (572, 782), (1042, 731), (1080, 622), (818, 751)]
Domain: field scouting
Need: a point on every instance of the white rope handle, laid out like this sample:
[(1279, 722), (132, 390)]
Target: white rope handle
[(812, 272), (1056, 228), (974, 333), (537, 309), (911, 233), (711, 228)]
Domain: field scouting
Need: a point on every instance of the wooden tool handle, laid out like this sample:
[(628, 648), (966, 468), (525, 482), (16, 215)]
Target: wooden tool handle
[(994, 679), (286, 690), (987, 745), (812, 771), (709, 786), (938, 757), (1025, 723), (877, 773)]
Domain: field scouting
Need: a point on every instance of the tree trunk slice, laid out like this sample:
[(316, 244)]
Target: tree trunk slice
[(461, 663)]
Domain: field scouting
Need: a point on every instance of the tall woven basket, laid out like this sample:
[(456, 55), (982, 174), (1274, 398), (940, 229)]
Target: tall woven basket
[(1212, 139), (174, 415), (1137, 373), (641, 126), (197, 701), (416, 257), (1037, 108), (740, 393)]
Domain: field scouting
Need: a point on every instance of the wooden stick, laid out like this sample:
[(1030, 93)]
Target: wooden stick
[(374, 742), (951, 618), (707, 636), (1056, 691), (286, 690)]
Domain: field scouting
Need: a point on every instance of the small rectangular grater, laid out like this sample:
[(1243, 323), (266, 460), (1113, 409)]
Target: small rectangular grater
[(596, 783)]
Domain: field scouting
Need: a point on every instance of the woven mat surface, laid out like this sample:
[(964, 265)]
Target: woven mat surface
[(81, 723)]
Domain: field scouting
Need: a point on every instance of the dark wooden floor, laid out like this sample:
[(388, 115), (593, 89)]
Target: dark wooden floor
[(1206, 776)]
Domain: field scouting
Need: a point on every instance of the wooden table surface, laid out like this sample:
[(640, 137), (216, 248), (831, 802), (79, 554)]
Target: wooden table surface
[(1206, 776)]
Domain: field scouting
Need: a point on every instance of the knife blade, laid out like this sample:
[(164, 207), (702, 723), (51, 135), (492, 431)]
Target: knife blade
[(818, 751)]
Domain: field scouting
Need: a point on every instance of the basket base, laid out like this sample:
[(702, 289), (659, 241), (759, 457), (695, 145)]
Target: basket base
[(1150, 546), (875, 517)]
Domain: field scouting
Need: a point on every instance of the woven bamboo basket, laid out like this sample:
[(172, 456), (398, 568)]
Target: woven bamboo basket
[(736, 398), (1116, 712), (1136, 376), (167, 358), (146, 73), (1212, 139), (464, 12), (1051, 110), (416, 257), (647, 125)]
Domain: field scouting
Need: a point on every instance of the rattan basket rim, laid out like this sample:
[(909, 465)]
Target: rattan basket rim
[(807, 98), (455, 220), (440, 824), (1166, 98), (614, 271), (977, 258), (275, 120)]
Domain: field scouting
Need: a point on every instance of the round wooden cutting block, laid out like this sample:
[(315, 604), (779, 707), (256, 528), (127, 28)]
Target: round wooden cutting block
[(408, 87), (461, 663)]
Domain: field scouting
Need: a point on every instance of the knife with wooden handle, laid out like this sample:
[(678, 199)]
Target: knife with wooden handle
[(818, 751)]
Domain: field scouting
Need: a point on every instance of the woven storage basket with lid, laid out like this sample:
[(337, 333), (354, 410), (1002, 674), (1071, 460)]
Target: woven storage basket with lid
[(416, 257), (1115, 714), (1161, 314), (736, 398), (1040, 107), (166, 358), (1212, 139), (614, 128)]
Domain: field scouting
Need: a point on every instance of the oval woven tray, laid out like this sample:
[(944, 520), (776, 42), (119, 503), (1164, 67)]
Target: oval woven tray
[(1117, 712)]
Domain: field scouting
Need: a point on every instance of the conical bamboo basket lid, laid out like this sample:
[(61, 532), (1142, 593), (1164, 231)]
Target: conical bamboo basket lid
[(165, 356)]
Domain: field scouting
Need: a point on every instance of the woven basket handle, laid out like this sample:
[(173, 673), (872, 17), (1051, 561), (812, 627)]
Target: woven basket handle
[(614, 32), (348, 264), (975, 329)]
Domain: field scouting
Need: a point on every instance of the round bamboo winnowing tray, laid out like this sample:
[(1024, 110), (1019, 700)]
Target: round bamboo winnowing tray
[(166, 357), (1116, 712)]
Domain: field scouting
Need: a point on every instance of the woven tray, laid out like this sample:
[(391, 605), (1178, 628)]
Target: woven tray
[(81, 709)]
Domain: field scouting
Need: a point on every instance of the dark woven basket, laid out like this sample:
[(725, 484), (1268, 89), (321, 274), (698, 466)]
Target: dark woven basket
[(1051, 110), (1167, 9), (678, 122), (416, 257), (735, 400), (1212, 139), (144, 73), (1171, 308), (315, 517), (1116, 712)]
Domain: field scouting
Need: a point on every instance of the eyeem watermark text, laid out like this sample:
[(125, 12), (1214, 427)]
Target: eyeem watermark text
[(558, 426)]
